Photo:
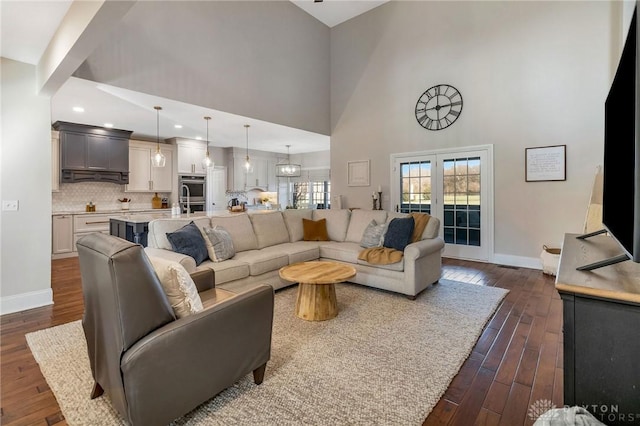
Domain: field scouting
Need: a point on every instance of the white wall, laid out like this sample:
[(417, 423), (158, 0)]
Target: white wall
[(531, 74), (25, 175), (267, 60)]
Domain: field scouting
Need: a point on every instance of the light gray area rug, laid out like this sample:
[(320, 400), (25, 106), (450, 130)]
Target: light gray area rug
[(383, 360)]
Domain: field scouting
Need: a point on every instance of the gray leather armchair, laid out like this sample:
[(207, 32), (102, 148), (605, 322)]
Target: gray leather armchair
[(154, 367)]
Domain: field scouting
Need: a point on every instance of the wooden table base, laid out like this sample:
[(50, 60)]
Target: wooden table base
[(316, 302), (317, 299)]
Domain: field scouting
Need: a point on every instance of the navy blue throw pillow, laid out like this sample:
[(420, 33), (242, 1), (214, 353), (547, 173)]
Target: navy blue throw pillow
[(399, 233), (189, 240)]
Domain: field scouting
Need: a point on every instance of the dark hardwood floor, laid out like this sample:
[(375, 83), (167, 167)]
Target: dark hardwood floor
[(516, 361)]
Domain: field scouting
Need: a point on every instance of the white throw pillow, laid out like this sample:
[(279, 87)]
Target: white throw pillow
[(178, 286)]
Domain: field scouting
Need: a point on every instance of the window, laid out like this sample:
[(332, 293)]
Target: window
[(415, 180), (462, 201), (311, 195)]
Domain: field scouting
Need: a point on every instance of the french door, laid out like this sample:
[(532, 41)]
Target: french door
[(456, 186)]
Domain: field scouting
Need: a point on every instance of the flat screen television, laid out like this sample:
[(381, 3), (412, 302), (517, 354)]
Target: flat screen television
[(621, 171)]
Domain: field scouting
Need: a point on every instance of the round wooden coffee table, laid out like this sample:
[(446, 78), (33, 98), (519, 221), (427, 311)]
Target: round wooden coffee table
[(316, 289)]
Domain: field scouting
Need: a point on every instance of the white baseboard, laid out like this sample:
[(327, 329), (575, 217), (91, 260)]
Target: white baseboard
[(24, 301), (518, 261)]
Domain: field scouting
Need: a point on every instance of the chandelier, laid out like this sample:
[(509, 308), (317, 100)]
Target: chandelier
[(288, 169)]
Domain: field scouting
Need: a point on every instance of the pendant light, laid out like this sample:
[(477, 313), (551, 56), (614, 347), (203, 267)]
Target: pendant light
[(158, 159), (207, 161), (247, 163), (288, 170)]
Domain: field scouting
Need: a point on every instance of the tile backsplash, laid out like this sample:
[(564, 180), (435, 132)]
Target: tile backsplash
[(75, 196)]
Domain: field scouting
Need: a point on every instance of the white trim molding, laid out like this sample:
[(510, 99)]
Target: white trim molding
[(517, 261), (24, 301)]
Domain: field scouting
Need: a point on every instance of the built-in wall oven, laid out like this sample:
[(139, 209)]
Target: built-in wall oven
[(193, 191)]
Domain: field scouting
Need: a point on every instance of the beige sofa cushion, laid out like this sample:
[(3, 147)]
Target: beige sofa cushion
[(293, 221), (269, 228), (229, 270), (344, 252), (179, 287), (261, 261), (359, 221), (337, 222), (157, 236), (239, 227), (300, 251)]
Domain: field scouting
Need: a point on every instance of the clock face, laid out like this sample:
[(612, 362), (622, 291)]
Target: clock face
[(439, 107)]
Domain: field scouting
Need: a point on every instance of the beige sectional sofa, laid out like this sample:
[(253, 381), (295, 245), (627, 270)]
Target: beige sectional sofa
[(264, 242)]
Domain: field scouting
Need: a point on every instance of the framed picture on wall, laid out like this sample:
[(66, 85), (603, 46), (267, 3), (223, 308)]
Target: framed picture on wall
[(545, 163), (358, 173)]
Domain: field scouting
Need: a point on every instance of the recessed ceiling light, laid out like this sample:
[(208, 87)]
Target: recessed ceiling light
[(198, 138), (78, 109), (178, 126), (108, 124)]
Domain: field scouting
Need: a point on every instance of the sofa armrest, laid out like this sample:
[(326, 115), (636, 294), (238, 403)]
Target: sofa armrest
[(423, 248), (187, 261), (204, 279), (195, 357)]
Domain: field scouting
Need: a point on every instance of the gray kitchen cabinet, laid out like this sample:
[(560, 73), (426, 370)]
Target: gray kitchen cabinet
[(73, 147), (93, 154), (55, 161)]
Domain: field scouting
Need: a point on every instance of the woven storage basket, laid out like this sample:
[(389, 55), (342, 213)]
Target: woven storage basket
[(550, 258)]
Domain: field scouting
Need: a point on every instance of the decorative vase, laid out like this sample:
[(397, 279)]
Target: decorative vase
[(156, 202)]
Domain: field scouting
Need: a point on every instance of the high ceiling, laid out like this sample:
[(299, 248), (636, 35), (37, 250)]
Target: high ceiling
[(27, 26)]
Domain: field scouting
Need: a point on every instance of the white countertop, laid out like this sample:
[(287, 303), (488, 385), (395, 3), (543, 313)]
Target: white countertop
[(111, 211)]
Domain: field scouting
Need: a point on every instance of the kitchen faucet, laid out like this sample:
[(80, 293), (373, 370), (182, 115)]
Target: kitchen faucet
[(188, 198)]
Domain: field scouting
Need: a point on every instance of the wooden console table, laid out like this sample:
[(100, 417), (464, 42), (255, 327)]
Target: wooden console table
[(601, 313)]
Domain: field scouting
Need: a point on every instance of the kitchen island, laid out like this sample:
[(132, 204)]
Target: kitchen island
[(133, 228)]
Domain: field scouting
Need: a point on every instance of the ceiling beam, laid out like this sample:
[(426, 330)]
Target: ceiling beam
[(84, 27)]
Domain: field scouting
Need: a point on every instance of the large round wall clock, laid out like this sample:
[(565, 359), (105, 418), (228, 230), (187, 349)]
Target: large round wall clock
[(439, 107)]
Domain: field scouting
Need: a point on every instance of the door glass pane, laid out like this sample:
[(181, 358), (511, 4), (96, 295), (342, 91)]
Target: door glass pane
[(461, 191), (415, 187)]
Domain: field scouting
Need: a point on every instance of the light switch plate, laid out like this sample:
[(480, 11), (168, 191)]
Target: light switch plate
[(10, 205)]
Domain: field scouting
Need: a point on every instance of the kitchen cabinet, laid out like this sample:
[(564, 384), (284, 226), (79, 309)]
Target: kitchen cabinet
[(142, 176), (237, 174), (258, 177), (55, 161), (84, 224), (93, 154), (261, 176), (272, 180), (62, 234), (190, 156)]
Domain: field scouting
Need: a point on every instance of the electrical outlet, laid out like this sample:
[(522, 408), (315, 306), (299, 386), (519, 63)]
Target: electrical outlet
[(10, 205)]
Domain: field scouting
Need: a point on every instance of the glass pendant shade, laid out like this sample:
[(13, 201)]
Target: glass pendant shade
[(158, 159), (288, 170), (247, 162), (207, 161)]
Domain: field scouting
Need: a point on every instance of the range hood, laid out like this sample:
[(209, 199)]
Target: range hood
[(93, 154)]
